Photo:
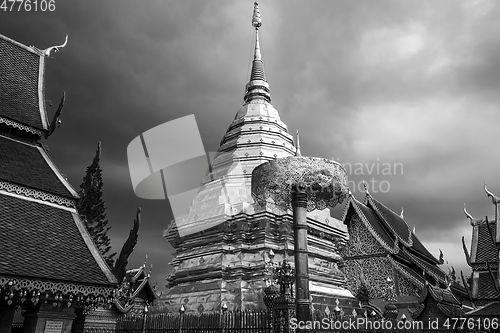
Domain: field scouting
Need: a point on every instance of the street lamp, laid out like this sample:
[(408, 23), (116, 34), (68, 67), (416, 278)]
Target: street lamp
[(403, 319), (182, 309), (145, 317)]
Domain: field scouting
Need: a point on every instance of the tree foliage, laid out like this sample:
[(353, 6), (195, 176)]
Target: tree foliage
[(92, 209)]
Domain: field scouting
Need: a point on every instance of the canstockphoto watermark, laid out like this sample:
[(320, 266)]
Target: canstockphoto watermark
[(359, 323), (169, 162), (373, 174)]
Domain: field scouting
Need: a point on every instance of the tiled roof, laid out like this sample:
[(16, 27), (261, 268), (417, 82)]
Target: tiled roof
[(486, 286), (489, 310), (393, 221), (19, 84), (430, 269), (43, 241), (420, 248), (443, 295), (25, 164), (444, 299), (485, 247), (408, 272), (371, 217)]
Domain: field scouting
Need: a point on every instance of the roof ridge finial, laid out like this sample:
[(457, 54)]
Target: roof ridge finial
[(365, 185), (297, 147), (47, 51), (402, 213)]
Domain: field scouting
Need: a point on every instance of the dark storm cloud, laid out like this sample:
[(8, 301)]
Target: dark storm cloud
[(414, 83)]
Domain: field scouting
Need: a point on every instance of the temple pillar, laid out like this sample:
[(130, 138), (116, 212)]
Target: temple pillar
[(302, 300), (6, 317), (47, 318)]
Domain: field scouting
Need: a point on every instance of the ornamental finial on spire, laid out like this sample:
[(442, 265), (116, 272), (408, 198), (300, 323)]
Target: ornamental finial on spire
[(257, 88), (256, 21)]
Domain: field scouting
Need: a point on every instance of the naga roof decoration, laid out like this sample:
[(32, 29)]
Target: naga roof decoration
[(134, 281), (445, 300)]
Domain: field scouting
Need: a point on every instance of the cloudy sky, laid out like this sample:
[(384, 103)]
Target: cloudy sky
[(405, 93)]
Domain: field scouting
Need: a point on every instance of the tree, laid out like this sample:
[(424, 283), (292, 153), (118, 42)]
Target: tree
[(92, 209)]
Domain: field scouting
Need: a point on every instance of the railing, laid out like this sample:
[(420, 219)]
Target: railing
[(245, 322), (16, 328)]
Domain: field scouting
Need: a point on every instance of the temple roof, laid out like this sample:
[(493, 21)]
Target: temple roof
[(22, 100), (489, 310), (394, 222), (29, 165), (486, 286), (429, 268), (371, 221), (482, 244), (389, 226), (421, 249), (445, 300), (392, 232), (45, 241)]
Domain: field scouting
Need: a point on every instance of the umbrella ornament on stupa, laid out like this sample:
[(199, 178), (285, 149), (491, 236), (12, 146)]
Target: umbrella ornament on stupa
[(324, 182)]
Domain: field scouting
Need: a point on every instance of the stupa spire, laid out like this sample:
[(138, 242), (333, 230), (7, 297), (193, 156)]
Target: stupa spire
[(257, 87)]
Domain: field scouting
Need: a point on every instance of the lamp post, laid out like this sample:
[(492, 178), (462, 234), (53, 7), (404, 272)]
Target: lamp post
[(391, 310), (182, 309), (145, 317), (336, 312), (403, 319), (224, 310), (302, 184)]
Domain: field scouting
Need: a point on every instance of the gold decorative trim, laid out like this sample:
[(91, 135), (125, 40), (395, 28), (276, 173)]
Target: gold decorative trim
[(22, 127), (37, 194)]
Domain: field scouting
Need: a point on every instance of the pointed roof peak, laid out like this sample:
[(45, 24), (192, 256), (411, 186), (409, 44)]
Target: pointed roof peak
[(297, 147), (257, 87)]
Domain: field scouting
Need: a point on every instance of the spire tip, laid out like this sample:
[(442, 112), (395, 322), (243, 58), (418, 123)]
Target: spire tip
[(256, 20)]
